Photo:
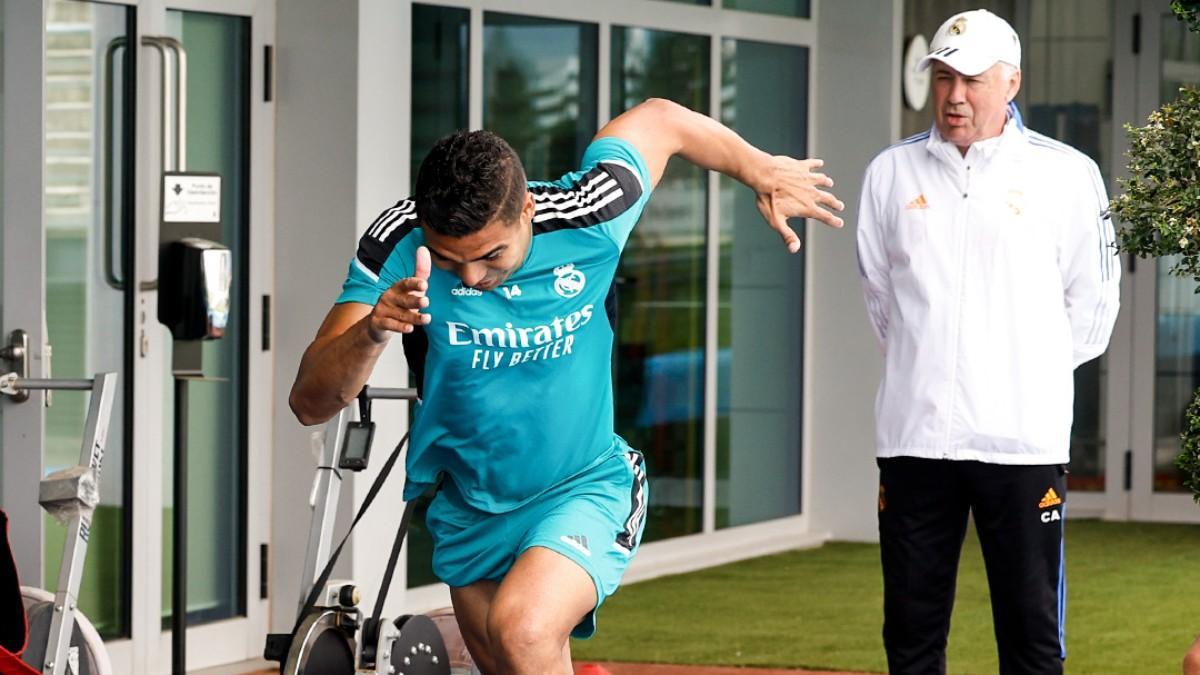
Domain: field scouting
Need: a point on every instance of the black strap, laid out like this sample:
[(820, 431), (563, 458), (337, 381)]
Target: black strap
[(370, 634), (391, 566), (364, 406), (319, 586), (371, 626)]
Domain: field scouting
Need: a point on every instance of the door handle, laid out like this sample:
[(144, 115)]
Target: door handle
[(174, 103), (172, 144), (110, 268), (16, 353), (47, 357)]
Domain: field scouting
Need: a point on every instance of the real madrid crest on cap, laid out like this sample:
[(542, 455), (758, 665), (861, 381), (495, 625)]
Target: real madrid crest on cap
[(959, 26)]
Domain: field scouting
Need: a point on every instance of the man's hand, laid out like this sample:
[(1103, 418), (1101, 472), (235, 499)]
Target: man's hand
[(399, 308), (790, 188), (786, 187)]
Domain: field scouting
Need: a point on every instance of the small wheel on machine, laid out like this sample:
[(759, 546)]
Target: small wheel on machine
[(419, 649), (86, 653), (320, 647)]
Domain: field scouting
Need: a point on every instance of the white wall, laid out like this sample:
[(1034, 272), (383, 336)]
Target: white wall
[(856, 114), (316, 212), (342, 157)]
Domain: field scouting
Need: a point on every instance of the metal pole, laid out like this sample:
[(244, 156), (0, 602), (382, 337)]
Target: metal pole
[(179, 543), (391, 393), (65, 385)]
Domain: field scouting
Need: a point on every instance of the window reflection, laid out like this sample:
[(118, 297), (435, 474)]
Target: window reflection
[(539, 89), (84, 311), (764, 97), (660, 289), (797, 8), (1066, 92)]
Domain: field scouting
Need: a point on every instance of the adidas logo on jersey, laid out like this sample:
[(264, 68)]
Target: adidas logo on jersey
[(577, 542), (465, 292), (918, 203)]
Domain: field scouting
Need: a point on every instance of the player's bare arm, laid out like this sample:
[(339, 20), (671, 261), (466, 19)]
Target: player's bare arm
[(786, 187), (340, 359)]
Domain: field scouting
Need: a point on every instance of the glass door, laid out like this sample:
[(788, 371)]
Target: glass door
[(133, 88), (1166, 312), (88, 301), (216, 123)]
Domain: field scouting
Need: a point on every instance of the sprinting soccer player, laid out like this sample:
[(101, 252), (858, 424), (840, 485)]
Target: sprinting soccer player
[(541, 505)]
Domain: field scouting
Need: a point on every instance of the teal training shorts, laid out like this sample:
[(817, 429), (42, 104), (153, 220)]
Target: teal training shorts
[(595, 518)]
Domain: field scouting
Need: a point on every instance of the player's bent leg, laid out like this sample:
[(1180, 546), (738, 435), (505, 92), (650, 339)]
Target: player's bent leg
[(542, 598), (471, 606)]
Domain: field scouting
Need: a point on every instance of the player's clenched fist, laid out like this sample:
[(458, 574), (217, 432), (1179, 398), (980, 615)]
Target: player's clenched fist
[(399, 308)]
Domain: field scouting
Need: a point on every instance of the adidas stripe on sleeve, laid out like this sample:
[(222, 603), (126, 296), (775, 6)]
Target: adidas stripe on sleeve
[(373, 269), (608, 193)]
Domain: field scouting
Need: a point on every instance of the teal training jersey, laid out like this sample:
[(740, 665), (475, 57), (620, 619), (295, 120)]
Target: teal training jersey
[(516, 383)]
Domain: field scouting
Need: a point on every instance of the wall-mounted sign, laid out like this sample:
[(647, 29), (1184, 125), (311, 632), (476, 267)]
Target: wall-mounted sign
[(191, 197), (915, 85)]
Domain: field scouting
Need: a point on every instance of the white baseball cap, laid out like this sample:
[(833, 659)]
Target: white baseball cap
[(972, 42)]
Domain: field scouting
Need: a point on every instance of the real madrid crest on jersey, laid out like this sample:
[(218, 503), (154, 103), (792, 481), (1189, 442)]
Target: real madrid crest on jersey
[(568, 281)]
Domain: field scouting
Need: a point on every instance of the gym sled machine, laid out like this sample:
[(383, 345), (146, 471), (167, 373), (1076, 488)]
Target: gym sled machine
[(60, 639), (330, 635)]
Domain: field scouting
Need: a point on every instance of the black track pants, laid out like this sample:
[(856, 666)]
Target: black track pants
[(1018, 511)]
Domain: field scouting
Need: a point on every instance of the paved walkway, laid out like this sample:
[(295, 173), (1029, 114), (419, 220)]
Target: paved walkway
[(659, 669)]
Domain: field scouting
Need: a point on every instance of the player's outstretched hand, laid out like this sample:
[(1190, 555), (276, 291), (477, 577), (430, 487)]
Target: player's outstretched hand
[(399, 309), (791, 188)]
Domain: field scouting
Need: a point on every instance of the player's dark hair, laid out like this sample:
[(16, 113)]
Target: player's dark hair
[(468, 179)]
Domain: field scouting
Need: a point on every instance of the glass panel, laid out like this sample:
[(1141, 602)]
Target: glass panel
[(439, 107), (86, 314), (218, 80), (1066, 94), (539, 89), (439, 77), (764, 97), (660, 289), (799, 8), (1177, 370)]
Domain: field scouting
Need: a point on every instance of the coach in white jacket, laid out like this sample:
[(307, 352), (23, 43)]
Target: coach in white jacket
[(989, 270)]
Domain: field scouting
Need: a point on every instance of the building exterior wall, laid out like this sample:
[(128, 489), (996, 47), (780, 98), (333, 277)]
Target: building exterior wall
[(316, 192), (857, 110)]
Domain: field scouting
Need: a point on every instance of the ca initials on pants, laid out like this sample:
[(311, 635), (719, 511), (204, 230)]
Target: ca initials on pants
[(1050, 516)]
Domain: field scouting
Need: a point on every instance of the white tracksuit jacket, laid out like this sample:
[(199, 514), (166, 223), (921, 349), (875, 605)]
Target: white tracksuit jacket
[(988, 279)]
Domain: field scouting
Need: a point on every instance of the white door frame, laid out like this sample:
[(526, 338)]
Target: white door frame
[(22, 247)]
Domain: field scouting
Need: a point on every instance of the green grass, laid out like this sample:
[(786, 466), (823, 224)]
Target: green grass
[(1133, 606)]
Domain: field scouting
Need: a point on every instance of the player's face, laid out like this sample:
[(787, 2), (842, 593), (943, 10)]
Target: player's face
[(969, 108), (487, 258)]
